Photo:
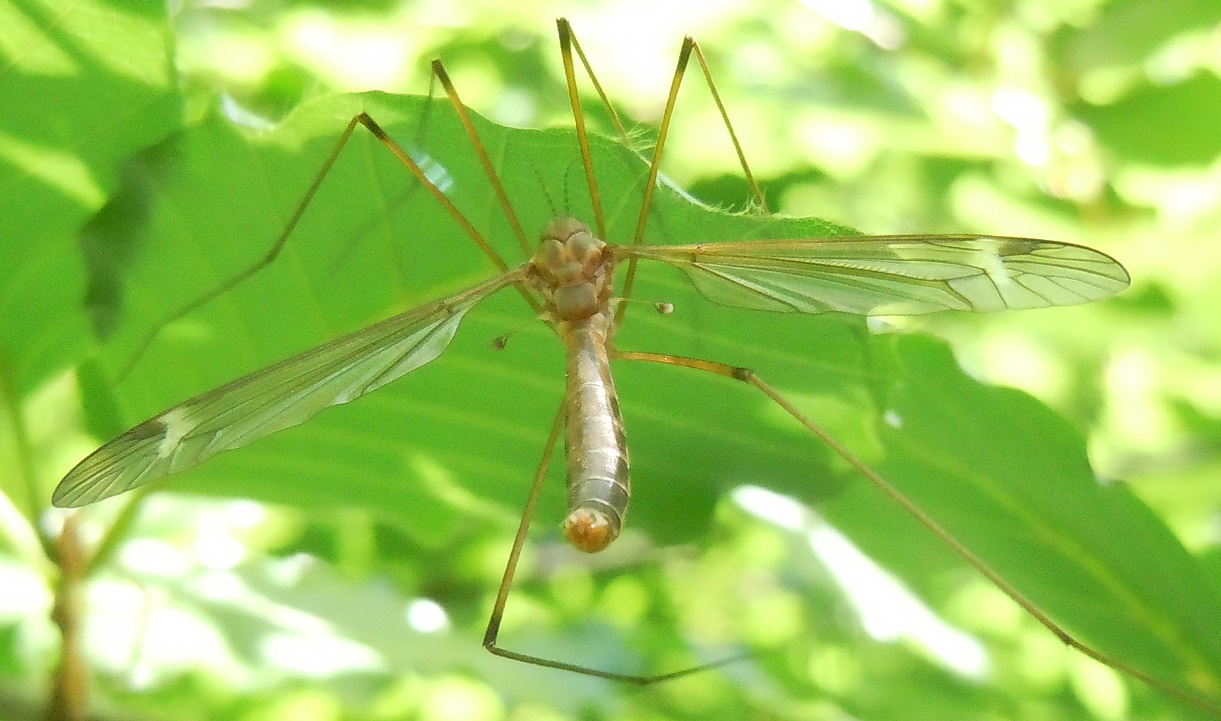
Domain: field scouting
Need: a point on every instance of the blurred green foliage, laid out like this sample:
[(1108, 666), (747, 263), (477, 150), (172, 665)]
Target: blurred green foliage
[(1084, 121)]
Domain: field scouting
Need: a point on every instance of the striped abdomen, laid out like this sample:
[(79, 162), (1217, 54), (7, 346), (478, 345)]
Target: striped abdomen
[(598, 484)]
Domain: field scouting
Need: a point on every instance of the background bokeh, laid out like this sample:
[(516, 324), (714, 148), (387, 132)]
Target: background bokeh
[(1086, 121)]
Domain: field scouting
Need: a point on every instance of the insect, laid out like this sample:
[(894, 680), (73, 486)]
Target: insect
[(570, 278)]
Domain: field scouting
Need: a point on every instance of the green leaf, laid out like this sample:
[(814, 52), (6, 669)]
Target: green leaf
[(373, 243), (85, 84), (1010, 480), (1126, 33), (1165, 125), (465, 432)]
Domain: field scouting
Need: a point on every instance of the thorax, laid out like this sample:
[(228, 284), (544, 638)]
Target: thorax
[(572, 270)]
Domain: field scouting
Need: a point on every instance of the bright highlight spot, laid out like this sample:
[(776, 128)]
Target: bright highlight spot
[(854, 15), (461, 700), (242, 115), (772, 507), (25, 592), (434, 171), (320, 656), (353, 55), (1030, 117), (177, 426), (156, 558), (887, 610), (862, 17), (245, 514), (426, 616), (214, 548)]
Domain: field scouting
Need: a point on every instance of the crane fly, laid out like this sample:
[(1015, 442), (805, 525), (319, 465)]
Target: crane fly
[(569, 280)]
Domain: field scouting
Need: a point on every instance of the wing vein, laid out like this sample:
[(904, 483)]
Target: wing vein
[(279, 396)]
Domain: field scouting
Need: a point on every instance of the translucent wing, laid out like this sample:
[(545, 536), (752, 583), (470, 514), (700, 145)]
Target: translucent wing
[(894, 274), (272, 399)]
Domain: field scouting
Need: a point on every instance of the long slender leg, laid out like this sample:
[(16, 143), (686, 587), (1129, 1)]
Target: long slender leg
[(519, 541), (733, 136), (438, 72), (568, 37), (294, 219), (568, 42), (578, 119), (506, 584), (750, 378)]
